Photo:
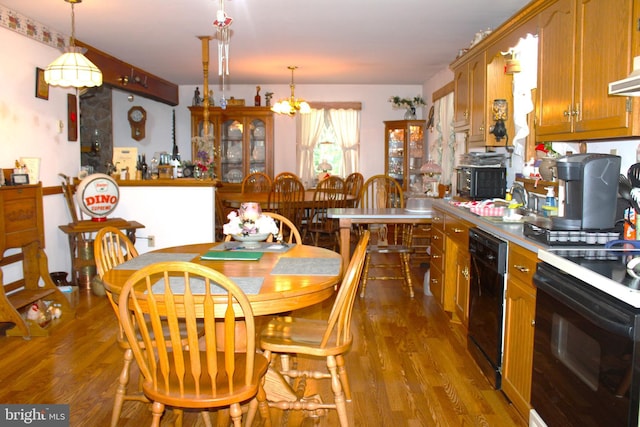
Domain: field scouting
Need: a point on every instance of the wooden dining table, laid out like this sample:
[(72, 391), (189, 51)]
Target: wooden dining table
[(349, 216), (280, 291)]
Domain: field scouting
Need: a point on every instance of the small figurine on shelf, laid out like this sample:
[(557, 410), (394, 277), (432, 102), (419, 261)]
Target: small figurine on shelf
[(211, 102), (267, 97), (196, 97), (257, 99)]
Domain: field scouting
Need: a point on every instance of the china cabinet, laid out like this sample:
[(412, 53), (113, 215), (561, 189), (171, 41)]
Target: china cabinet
[(242, 138), (582, 47), (404, 152)]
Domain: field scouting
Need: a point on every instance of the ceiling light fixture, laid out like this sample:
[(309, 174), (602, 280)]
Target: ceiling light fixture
[(291, 105), (72, 68)]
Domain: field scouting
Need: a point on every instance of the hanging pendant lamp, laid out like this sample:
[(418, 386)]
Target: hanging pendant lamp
[(72, 68), (292, 105)]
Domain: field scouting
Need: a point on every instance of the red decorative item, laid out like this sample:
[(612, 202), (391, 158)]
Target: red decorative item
[(72, 117)]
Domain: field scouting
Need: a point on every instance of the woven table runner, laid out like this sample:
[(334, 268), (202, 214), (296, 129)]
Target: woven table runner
[(249, 285), (307, 267)]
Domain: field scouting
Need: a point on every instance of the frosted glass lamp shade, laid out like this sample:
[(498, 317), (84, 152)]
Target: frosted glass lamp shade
[(73, 69)]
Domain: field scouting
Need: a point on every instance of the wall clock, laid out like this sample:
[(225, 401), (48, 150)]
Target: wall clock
[(137, 120)]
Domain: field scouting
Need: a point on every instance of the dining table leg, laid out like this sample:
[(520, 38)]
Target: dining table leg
[(345, 239)]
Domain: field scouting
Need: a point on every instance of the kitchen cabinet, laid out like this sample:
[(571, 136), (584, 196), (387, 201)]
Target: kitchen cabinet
[(519, 330), (462, 288), (456, 281), (404, 152), (436, 269), (243, 141), (449, 270), (469, 95), (583, 46), (461, 96)]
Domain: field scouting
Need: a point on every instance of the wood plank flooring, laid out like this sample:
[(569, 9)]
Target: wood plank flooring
[(408, 367)]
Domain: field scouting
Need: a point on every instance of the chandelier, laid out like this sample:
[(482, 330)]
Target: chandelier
[(72, 68), (291, 105)]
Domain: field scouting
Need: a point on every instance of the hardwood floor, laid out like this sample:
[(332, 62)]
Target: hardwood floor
[(408, 367)]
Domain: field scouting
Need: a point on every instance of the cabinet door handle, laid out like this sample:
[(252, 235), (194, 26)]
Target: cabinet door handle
[(521, 268), (465, 273), (435, 237), (568, 112), (533, 322), (458, 230), (434, 280), (435, 256), (576, 111)]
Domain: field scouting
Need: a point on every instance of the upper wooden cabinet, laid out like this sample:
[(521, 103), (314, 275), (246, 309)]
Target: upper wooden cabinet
[(243, 141), (479, 78), (583, 46)]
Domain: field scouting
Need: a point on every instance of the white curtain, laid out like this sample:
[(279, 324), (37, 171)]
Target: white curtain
[(346, 125), (308, 132), (443, 150)]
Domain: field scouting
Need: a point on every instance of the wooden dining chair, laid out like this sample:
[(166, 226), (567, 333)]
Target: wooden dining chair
[(354, 183), (285, 175), (256, 182), (286, 198), (329, 193), (221, 370), (111, 247), (330, 339), (288, 232), (382, 191)]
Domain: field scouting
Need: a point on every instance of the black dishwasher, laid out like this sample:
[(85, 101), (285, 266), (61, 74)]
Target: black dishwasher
[(488, 255)]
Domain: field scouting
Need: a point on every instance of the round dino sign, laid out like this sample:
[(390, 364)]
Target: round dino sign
[(97, 196)]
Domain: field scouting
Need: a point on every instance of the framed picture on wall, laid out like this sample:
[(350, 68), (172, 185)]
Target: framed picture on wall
[(42, 87)]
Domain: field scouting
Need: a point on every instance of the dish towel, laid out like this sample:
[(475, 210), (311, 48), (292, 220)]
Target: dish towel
[(308, 266)]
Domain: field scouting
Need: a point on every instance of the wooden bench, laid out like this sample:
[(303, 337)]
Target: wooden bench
[(22, 229)]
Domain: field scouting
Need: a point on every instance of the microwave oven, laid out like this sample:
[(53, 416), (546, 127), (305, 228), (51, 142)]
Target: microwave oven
[(481, 182)]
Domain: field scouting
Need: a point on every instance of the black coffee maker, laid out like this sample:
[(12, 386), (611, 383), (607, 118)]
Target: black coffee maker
[(587, 192)]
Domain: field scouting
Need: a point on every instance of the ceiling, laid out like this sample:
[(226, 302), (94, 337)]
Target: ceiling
[(331, 41)]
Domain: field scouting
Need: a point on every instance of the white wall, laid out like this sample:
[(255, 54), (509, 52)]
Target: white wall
[(29, 128)]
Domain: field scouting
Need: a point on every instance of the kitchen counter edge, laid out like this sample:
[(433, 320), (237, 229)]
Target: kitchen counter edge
[(511, 232)]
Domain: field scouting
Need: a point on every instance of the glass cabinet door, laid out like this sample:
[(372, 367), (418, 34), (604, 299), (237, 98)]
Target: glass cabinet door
[(404, 141), (396, 154), (232, 151), (257, 146)]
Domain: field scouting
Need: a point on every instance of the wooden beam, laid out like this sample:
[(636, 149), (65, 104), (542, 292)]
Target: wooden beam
[(443, 91), (336, 105), (124, 76)]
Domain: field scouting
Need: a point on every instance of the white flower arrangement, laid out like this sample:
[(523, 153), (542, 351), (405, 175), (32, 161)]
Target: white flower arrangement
[(406, 103), (249, 223)]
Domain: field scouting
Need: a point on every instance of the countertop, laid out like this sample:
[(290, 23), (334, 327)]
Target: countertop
[(509, 231)]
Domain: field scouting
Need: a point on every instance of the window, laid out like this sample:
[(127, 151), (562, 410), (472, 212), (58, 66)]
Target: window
[(331, 135), (328, 151)]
